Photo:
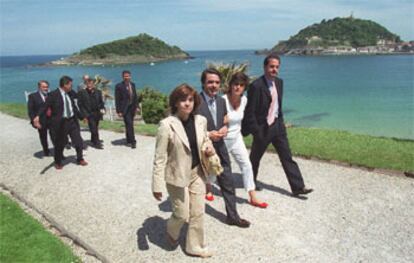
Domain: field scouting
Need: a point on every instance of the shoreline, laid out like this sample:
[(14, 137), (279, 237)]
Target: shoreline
[(110, 62)]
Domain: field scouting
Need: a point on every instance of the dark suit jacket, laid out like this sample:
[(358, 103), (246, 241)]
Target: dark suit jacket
[(122, 98), (221, 110), (34, 104), (258, 103), (55, 102), (86, 106)]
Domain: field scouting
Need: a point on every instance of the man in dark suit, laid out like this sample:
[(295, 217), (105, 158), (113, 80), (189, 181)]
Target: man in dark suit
[(263, 117), (35, 102), (126, 103), (64, 120), (92, 108), (213, 107)]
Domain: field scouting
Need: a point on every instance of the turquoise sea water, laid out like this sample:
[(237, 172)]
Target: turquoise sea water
[(362, 94)]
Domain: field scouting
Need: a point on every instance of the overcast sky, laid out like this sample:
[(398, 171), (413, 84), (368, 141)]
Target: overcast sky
[(64, 27)]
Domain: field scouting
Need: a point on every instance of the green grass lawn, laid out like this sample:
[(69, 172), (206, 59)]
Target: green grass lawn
[(23, 239), (363, 150)]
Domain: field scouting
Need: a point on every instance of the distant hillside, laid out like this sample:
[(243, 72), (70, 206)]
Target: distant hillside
[(346, 32), (137, 49)]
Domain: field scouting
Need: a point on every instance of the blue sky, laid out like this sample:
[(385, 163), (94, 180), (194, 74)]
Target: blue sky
[(65, 27)]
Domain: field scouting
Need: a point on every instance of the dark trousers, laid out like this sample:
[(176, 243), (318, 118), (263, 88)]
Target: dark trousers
[(276, 134), (226, 182), (93, 123), (43, 138), (129, 125), (68, 127)]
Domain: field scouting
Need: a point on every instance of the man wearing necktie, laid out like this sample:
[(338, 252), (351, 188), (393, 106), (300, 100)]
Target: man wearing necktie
[(213, 107), (126, 103), (263, 118), (64, 120), (35, 102)]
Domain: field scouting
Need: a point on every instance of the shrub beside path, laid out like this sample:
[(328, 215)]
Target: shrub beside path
[(352, 216)]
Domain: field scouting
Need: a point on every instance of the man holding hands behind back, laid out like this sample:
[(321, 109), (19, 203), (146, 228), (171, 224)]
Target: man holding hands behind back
[(92, 108)]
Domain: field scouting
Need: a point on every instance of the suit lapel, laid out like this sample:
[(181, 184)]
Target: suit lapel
[(266, 88), (59, 101), (177, 126), (204, 108), (199, 131), (39, 98)]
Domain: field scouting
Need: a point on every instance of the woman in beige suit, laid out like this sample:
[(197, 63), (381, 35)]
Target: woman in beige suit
[(178, 164)]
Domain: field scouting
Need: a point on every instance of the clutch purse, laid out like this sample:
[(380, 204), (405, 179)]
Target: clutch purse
[(211, 163)]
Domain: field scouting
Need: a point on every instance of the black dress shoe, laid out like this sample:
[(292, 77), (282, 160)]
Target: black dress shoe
[(243, 223), (133, 145), (98, 146), (46, 153), (303, 191)]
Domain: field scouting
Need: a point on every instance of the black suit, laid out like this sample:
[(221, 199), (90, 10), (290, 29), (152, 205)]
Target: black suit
[(225, 180), (127, 105), (255, 122), (62, 127), (90, 105), (34, 104)]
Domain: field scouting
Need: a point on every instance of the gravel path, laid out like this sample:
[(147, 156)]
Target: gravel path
[(352, 216)]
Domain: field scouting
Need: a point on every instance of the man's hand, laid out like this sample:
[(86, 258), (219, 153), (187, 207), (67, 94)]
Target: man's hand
[(157, 195), (120, 114), (215, 136), (85, 120), (36, 122)]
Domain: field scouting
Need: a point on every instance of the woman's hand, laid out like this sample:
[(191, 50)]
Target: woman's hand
[(157, 195)]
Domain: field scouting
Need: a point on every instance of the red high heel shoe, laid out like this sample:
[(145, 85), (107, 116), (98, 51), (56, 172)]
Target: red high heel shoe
[(210, 197), (260, 205)]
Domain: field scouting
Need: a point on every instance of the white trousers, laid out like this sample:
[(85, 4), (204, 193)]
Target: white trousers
[(237, 148)]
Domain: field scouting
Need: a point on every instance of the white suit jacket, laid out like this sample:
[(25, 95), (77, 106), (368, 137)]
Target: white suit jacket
[(173, 159)]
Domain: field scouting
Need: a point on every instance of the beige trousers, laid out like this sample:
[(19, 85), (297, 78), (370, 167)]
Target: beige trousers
[(188, 205)]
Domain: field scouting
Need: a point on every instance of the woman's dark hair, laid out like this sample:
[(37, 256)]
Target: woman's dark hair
[(181, 93), (238, 78)]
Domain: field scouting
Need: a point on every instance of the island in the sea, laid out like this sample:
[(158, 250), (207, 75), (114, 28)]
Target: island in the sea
[(343, 36), (137, 49)]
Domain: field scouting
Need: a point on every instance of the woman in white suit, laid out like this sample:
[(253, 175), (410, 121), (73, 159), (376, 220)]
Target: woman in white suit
[(178, 164)]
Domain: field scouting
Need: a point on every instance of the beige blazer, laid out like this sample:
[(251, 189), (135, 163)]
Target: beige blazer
[(172, 160)]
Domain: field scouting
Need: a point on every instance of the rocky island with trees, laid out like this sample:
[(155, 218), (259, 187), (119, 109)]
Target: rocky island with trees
[(136, 49), (343, 36)]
